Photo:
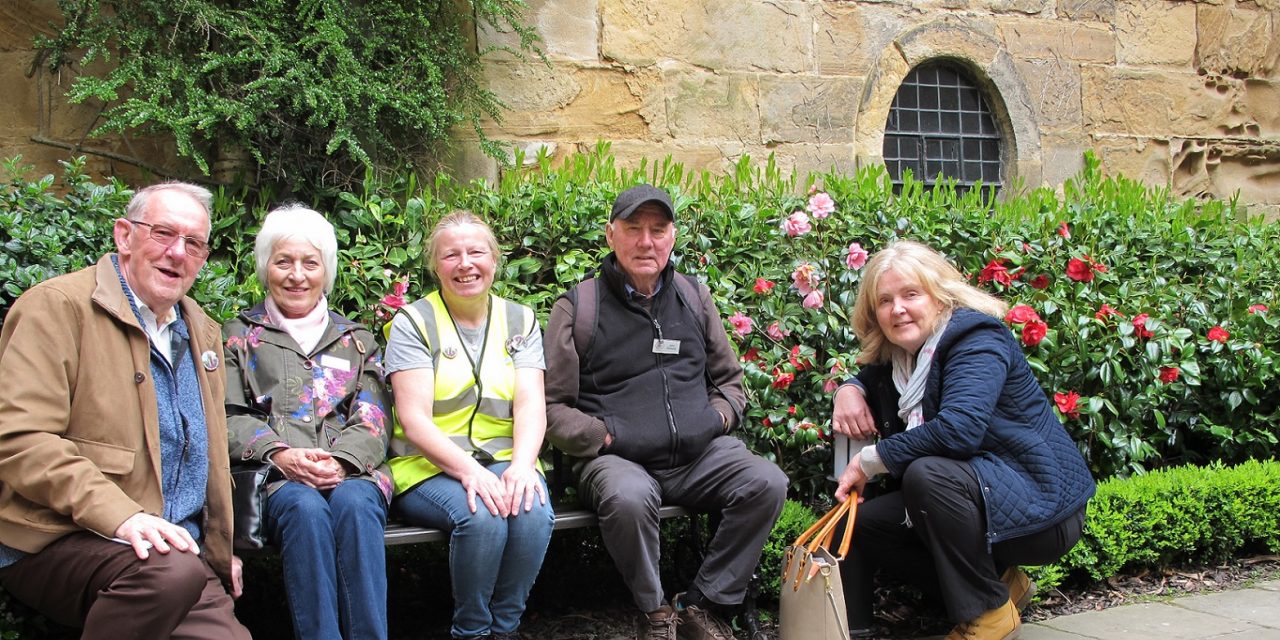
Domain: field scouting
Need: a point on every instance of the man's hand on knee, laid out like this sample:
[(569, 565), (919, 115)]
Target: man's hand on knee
[(142, 531)]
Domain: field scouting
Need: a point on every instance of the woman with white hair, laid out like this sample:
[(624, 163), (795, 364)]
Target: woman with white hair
[(305, 392), (980, 475)]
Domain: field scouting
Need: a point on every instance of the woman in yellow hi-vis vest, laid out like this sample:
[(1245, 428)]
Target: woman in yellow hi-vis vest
[(467, 368)]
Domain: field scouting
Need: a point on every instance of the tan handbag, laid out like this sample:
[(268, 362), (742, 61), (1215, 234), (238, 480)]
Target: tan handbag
[(812, 599)]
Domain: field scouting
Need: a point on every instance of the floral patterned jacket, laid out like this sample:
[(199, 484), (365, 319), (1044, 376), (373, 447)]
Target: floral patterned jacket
[(334, 398)]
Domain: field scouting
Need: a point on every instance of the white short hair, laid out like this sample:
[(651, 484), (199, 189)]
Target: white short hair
[(296, 221)]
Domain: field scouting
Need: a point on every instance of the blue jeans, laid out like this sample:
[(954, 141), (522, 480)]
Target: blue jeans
[(492, 561), (335, 564)]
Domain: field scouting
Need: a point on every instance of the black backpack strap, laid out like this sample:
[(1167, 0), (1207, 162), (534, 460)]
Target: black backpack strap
[(586, 311)]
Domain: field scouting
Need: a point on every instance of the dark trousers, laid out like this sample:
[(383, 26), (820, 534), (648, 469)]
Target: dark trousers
[(745, 489), (944, 552), (86, 581)]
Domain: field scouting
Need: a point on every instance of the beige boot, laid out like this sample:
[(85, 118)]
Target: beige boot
[(1001, 623), (1021, 588), (659, 624)]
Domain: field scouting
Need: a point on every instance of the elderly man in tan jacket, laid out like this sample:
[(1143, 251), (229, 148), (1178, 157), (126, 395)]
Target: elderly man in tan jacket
[(115, 506)]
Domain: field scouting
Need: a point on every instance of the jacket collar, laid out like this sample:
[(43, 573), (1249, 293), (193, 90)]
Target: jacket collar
[(273, 334)]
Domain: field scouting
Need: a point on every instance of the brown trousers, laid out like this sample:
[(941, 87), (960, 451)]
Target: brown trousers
[(89, 582)]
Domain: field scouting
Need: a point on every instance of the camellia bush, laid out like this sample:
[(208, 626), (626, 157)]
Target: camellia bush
[(1149, 320)]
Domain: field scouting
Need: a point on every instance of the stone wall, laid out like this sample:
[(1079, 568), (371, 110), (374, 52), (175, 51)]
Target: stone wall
[(1184, 94)]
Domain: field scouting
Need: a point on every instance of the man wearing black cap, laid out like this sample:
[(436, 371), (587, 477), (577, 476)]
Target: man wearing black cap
[(643, 385)]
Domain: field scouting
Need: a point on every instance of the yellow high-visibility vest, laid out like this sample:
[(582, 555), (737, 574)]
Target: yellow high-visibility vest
[(479, 421)]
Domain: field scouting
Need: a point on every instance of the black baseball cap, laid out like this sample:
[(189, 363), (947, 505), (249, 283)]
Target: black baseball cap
[(628, 201)]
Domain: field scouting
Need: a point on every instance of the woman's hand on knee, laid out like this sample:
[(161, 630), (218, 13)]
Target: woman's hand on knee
[(481, 483), (523, 485)]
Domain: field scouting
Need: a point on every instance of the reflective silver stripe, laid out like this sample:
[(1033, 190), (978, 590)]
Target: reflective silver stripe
[(495, 408), (401, 447), (464, 400)]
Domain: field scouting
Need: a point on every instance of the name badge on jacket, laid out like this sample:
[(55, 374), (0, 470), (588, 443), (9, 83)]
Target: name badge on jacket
[(666, 347)]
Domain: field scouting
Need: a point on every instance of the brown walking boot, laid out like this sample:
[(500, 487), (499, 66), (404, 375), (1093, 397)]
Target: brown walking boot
[(659, 624), (698, 623), (1021, 588), (1001, 623)]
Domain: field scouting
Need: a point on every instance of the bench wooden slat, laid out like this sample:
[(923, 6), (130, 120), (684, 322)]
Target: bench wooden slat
[(398, 533)]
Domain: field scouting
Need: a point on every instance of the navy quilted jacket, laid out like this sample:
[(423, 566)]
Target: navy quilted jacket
[(983, 404)]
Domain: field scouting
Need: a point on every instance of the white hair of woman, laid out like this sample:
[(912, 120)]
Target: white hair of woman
[(297, 221)]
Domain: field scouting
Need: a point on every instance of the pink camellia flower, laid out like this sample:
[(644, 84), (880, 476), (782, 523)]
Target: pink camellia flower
[(395, 299), (1257, 308), (1218, 334), (1021, 313), (1169, 374), (995, 271), (821, 205), (1033, 332), (813, 300), (797, 224), (741, 324), (1040, 282), (830, 385), (1067, 404), (763, 286), (1079, 270), (1064, 230), (805, 277), (775, 332), (857, 256), (1140, 326)]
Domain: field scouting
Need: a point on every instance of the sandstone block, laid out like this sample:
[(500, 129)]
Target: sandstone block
[(808, 109), (707, 106), (1222, 168), (716, 34), (850, 37), (1233, 40), (568, 29), (973, 39), (1089, 10), (569, 103), (1152, 103), (1262, 103), (1059, 40), (1063, 159), (1143, 159), (1155, 32), (1053, 87), (692, 156)]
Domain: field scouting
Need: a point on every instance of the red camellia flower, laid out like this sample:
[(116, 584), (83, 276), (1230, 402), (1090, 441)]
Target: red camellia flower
[(1033, 332), (1064, 230), (1079, 270), (1140, 326), (763, 286), (782, 379), (1218, 334), (1106, 311), (1169, 374), (995, 271), (1021, 313), (1256, 308), (751, 355), (1067, 403), (791, 409), (1040, 282)]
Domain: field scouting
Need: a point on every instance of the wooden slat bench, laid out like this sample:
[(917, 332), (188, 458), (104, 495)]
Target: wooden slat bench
[(573, 518)]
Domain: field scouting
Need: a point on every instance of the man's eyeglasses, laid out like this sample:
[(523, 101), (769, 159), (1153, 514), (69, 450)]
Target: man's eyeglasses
[(166, 236)]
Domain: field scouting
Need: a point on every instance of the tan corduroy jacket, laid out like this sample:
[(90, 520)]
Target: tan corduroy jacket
[(79, 434)]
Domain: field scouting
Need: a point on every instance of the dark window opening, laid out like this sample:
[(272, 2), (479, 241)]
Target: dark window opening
[(940, 126)]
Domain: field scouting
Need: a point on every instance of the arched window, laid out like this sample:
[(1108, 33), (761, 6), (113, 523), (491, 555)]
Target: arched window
[(940, 124)]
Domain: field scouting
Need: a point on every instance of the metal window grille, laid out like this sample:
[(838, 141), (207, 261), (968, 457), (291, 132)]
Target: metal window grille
[(940, 125)]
